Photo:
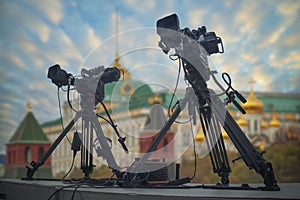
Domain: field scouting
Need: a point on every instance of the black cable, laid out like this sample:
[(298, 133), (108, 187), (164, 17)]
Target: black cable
[(60, 189), (228, 82), (73, 161), (75, 190), (174, 92), (219, 85), (110, 119), (61, 118), (104, 119), (114, 126), (68, 98), (176, 85)]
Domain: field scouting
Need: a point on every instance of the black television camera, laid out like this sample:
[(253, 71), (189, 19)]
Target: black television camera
[(193, 46), (91, 83)]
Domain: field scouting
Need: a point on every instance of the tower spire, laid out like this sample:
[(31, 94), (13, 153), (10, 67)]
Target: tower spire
[(251, 82), (117, 31), (124, 72), (28, 107)]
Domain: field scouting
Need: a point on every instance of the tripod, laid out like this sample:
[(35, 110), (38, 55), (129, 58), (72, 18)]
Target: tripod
[(90, 125), (213, 115)]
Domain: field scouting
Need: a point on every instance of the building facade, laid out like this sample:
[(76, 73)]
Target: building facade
[(28, 143), (271, 118)]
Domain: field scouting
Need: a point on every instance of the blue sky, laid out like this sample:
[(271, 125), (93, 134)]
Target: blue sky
[(261, 40)]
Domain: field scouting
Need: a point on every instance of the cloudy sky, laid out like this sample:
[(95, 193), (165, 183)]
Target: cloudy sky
[(261, 41)]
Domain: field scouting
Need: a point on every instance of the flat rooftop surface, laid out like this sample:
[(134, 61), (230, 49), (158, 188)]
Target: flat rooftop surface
[(40, 189)]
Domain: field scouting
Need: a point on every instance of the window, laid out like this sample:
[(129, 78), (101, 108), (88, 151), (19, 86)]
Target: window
[(9, 157), (27, 155), (41, 152), (14, 156), (255, 125)]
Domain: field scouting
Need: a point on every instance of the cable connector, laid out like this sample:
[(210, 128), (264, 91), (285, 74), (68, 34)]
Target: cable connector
[(76, 143)]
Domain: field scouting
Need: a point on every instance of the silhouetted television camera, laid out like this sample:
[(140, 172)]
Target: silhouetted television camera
[(168, 26), (193, 46), (92, 81)]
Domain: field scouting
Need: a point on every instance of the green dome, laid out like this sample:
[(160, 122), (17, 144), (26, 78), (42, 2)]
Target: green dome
[(124, 90)]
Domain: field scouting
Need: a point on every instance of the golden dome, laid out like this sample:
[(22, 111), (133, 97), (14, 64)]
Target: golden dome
[(155, 99), (253, 104), (124, 74), (264, 124), (274, 122), (262, 146), (242, 121)]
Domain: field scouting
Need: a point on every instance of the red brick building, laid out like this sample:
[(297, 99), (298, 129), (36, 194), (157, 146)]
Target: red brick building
[(28, 143), (154, 122)]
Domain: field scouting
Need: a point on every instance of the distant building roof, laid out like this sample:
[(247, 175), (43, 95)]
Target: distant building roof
[(29, 131), (277, 102), (51, 123)]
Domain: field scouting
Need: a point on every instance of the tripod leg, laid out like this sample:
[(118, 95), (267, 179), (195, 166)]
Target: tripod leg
[(36, 165), (163, 131), (252, 158), (215, 143), (87, 147), (105, 149)]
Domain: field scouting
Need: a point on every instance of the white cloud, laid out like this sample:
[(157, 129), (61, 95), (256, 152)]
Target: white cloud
[(124, 23), (91, 38), (221, 28), (61, 49), (276, 34), (261, 76), (292, 39), (288, 11), (9, 122), (17, 61), (6, 106), (38, 62), (42, 30), (28, 46), (249, 16), (26, 19), (291, 60), (250, 56), (141, 7), (53, 10), (288, 8), (196, 17), (294, 81)]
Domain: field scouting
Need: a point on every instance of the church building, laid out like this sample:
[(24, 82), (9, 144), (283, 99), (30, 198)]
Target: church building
[(28, 143)]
